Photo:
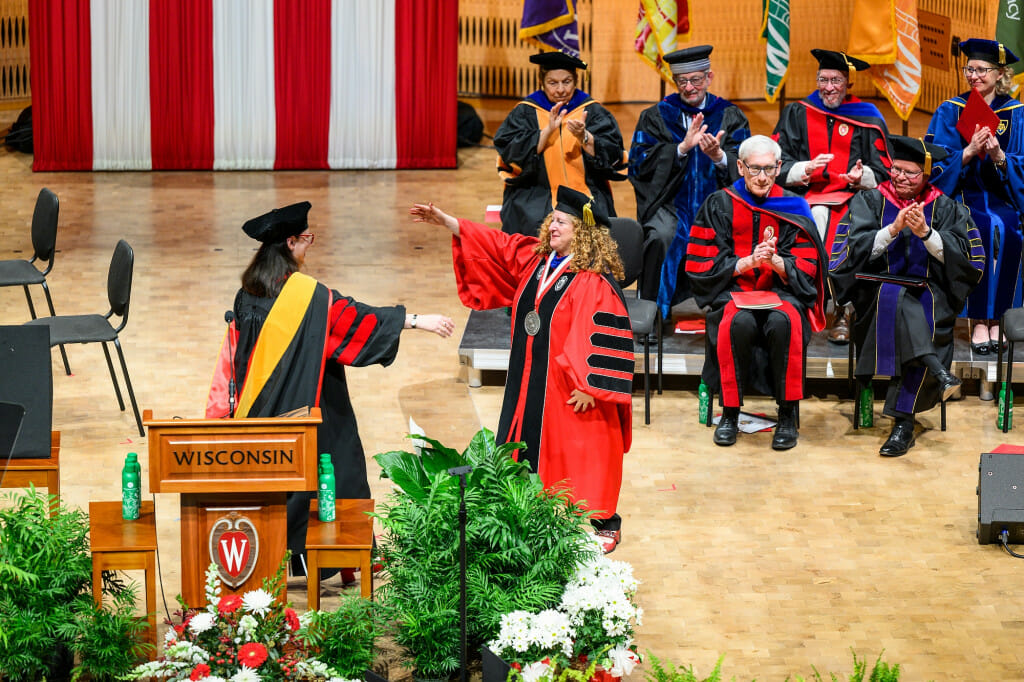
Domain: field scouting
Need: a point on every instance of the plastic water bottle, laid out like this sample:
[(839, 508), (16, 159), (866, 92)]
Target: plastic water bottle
[(703, 403), (1005, 393), (325, 488), (866, 417), (131, 487)]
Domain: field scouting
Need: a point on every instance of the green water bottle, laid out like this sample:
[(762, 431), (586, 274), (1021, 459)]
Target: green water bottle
[(866, 417), (703, 403), (131, 487), (1005, 393), (325, 488)]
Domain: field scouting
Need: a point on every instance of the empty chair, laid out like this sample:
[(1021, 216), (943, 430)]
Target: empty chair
[(643, 314), (20, 272), (66, 329), (1011, 328)]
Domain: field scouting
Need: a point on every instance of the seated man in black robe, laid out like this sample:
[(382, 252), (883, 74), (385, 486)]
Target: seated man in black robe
[(755, 240), (904, 328)]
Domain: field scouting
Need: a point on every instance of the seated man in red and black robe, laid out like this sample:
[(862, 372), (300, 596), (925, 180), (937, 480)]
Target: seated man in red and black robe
[(756, 263)]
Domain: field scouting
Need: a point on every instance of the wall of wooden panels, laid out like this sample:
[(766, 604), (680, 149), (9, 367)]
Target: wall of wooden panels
[(492, 61), (14, 57)]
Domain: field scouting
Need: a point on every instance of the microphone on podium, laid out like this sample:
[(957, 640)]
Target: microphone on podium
[(229, 317)]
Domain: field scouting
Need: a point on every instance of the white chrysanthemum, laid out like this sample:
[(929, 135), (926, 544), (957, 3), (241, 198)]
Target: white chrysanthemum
[(201, 622), (257, 601), (623, 661), (247, 624), (535, 672), (214, 678), (246, 674), (187, 652)]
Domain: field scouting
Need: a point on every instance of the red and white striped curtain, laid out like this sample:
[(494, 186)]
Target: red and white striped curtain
[(243, 84)]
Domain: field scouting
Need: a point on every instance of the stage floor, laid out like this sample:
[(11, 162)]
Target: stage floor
[(485, 347)]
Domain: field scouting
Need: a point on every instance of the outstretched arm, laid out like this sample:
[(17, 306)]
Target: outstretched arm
[(438, 324), (428, 213)]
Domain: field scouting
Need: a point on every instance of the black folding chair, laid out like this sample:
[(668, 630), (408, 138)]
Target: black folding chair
[(20, 272), (644, 315), (98, 328)]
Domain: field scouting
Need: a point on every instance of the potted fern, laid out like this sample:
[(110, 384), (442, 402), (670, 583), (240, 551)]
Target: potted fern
[(47, 613), (524, 544)]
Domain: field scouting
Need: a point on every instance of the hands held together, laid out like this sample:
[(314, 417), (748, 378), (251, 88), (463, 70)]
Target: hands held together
[(697, 135), (984, 144), (911, 216)]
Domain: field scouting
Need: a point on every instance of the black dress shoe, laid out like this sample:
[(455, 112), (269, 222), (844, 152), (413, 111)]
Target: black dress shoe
[(786, 434), (993, 347), (979, 348), (728, 426), (900, 440), (947, 384)]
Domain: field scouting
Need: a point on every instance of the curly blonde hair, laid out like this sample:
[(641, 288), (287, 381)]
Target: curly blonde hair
[(593, 248)]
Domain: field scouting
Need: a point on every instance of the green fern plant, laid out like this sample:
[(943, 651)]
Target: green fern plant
[(345, 638), (523, 545), (46, 604), (657, 671)]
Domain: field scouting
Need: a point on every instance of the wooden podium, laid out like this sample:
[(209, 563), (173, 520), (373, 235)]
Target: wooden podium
[(234, 476)]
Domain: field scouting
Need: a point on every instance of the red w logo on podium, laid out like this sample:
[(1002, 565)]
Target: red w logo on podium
[(234, 548)]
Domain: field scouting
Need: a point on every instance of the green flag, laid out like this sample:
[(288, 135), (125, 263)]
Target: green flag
[(775, 33), (1010, 29)]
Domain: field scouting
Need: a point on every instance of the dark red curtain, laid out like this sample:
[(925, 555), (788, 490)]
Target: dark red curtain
[(302, 82), (61, 77), (426, 65), (181, 83)]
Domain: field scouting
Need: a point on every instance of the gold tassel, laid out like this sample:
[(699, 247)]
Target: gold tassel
[(927, 160), (1002, 55), (588, 214)]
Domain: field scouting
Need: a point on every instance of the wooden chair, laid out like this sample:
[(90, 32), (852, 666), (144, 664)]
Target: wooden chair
[(119, 545), (346, 542), (41, 472)]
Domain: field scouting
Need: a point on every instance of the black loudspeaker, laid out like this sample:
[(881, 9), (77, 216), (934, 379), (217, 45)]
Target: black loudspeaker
[(26, 377), (1001, 498)]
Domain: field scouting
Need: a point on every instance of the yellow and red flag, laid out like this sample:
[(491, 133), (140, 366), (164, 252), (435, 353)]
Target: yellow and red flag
[(661, 24), (884, 33)]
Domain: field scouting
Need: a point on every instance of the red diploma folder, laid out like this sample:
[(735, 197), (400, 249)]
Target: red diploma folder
[(756, 300), (976, 113)]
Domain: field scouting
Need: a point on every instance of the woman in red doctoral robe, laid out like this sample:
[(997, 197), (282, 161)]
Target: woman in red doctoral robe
[(568, 395)]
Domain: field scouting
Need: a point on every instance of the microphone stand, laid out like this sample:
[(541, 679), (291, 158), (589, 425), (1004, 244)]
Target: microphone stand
[(461, 472), (229, 317)]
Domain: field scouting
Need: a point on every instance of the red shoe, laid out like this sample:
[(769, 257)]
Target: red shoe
[(609, 539), (348, 577)]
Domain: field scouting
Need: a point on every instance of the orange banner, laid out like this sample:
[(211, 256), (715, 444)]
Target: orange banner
[(895, 54)]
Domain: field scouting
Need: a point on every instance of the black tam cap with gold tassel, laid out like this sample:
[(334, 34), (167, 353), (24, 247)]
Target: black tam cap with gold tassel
[(580, 205), (918, 151)]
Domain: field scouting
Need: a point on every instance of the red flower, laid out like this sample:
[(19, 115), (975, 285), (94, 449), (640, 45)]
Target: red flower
[(252, 655), (229, 603), (199, 672), (292, 619)]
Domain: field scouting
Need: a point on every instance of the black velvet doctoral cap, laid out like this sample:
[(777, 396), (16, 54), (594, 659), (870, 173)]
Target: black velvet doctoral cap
[(840, 61), (988, 51), (917, 151), (279, 224), (690, 59), (557, 60), (580, 205)]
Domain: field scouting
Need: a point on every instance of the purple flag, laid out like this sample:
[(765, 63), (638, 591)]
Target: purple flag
[(551, 24)]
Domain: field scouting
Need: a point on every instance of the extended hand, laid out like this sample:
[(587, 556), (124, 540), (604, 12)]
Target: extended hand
[(819, 161), (428, 213), (555, 120), (580, 401), (439, 324)]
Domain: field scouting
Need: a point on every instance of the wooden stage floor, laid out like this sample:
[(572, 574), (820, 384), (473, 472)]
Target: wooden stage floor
[(779, 561)]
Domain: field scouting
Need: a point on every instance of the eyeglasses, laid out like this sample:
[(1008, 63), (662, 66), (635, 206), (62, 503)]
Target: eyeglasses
[(695, 81), (978, 70), (831, 81), (307, 237), (769, 171), (895, 172)]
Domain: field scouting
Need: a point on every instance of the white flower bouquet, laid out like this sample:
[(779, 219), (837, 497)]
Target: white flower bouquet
[(237, 639), (593, 623)]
